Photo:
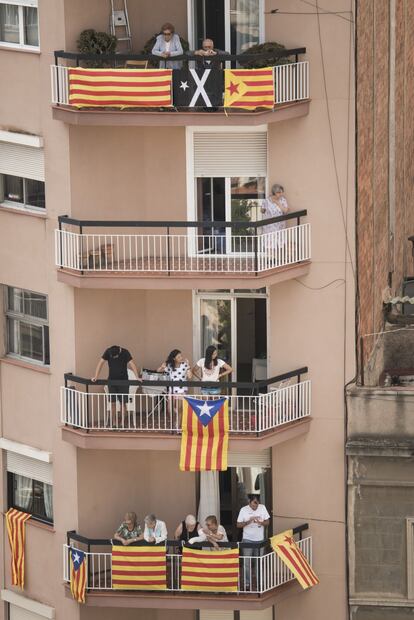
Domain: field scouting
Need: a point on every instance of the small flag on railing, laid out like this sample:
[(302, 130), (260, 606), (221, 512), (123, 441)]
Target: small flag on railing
[(120, 88), (198, 87), (288, 551), (139, 568), (249, 88), (16, 530), (210, 570), (205, 435), (78, 574)]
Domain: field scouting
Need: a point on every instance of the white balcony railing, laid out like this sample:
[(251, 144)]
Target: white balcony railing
[(266, 572), (162, 412), (291, 83), (182, 253)]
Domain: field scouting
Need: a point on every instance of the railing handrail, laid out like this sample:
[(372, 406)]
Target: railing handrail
[(284, 53), (222, 384), (101, 542), (65, 219)]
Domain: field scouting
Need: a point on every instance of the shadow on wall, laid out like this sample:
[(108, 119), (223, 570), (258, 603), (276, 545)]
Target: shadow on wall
[(392, 353)]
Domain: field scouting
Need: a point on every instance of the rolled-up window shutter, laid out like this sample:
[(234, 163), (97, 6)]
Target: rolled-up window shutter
[(261, 614), (216, 614), (22, 161), (259, 458), (230, 154), (18, 613), (31, 468)]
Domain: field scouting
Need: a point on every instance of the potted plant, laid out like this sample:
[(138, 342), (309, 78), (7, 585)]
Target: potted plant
[(92, 42), (270, 47)]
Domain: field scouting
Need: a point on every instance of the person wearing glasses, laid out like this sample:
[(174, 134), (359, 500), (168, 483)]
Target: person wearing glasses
[(253, 520), (168, 45)]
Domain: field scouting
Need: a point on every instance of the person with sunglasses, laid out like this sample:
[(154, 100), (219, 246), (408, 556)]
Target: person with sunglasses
[(168, 45)]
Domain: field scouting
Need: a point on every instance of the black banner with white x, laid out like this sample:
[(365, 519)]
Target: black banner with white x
[(194, 88)]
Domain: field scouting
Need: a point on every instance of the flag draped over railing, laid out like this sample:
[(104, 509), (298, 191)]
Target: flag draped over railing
[(288, 551), (16, 530), (120, 88), (205, 435), (249, 88), (210, 570), (78, 574), (139, 568)]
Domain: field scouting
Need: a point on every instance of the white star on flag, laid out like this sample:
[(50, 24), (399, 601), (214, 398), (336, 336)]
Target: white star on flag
[(184, 86), (205, 410), (76, 558)]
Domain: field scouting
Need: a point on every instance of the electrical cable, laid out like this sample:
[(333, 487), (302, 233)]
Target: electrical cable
[(319, 288)]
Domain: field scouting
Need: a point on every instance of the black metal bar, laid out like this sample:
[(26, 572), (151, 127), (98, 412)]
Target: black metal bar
[(230, 384), (168, 250), (64, 219), (81, 248), (87, 409), (256, 258), (300, 529)]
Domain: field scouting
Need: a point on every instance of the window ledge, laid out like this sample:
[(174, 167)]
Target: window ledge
[(11, 47), (24, 364), (23, 211), (42, 526)]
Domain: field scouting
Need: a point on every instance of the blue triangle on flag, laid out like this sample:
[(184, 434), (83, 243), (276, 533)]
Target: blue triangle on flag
[(205, 410), (77, 558)]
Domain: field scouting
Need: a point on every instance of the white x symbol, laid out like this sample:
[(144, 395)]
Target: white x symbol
[(200, 91)]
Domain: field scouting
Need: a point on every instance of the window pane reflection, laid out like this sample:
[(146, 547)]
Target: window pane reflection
[(9, 23)]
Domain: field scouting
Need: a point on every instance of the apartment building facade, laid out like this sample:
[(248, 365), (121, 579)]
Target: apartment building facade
[(96, 249)]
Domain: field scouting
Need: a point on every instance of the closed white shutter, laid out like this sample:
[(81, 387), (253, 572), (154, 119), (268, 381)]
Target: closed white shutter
[(230, 154), (18, 613), (261, 614), (31, 468), (260, 458), (216, 614), (22, 161)]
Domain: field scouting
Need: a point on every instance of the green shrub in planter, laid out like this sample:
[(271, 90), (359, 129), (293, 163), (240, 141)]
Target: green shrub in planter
[(92, 42), (147, 49), (270, 47)]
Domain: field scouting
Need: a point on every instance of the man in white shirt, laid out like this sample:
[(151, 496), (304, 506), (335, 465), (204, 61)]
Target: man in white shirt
[(253, 520), (155, 530)]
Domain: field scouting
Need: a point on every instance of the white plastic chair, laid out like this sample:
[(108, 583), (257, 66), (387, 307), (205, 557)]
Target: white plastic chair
[(130, 404)]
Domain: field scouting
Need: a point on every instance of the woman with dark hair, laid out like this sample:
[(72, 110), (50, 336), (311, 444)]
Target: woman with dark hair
[(178, 369), (167, 45), (211, 368)]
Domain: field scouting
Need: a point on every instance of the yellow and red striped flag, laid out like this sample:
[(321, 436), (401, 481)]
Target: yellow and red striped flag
[(205, 435), (210, 571), (139, 568), (249, 88), (16, 529), (120, 88), (289, 552), (78, 574)]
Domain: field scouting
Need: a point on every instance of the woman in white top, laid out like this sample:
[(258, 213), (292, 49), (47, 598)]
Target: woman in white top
[(275, 206), (167, 45), (212, 368)]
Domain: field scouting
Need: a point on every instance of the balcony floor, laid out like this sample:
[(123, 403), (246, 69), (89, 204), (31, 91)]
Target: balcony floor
[(180, 280), (158, 118), (162, 440)]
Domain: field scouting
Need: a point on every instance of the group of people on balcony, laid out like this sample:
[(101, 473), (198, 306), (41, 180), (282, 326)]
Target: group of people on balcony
[(168, 44)]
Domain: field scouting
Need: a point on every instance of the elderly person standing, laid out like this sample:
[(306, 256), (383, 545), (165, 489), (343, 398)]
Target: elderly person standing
[(155, 530), (273, 206), (168, 45)]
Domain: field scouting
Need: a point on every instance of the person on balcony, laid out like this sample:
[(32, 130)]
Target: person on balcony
[(207, 54), (211, 368), (155, 530), (211, 532), (253, 520), (274, 206), (178, 369), (119, 360), (129, 532), (168, 45), (187, 528)]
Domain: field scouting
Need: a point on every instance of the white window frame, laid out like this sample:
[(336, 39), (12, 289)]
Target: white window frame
[(22, 45), (26, 318), (19, 206)]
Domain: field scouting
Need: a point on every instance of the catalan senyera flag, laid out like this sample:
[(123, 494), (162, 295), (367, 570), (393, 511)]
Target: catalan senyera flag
[(120, 88), (78, 574), (139, 568), (249, 88), (16, 530), (210, 570), (205, 435), (289, 552)]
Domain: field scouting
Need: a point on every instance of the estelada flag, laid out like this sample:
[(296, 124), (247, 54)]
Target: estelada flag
[(249, 88), (78, 574), (16, 530), (205, 435), (139, 568), (210, 570), (288, 551), (120, 88)]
